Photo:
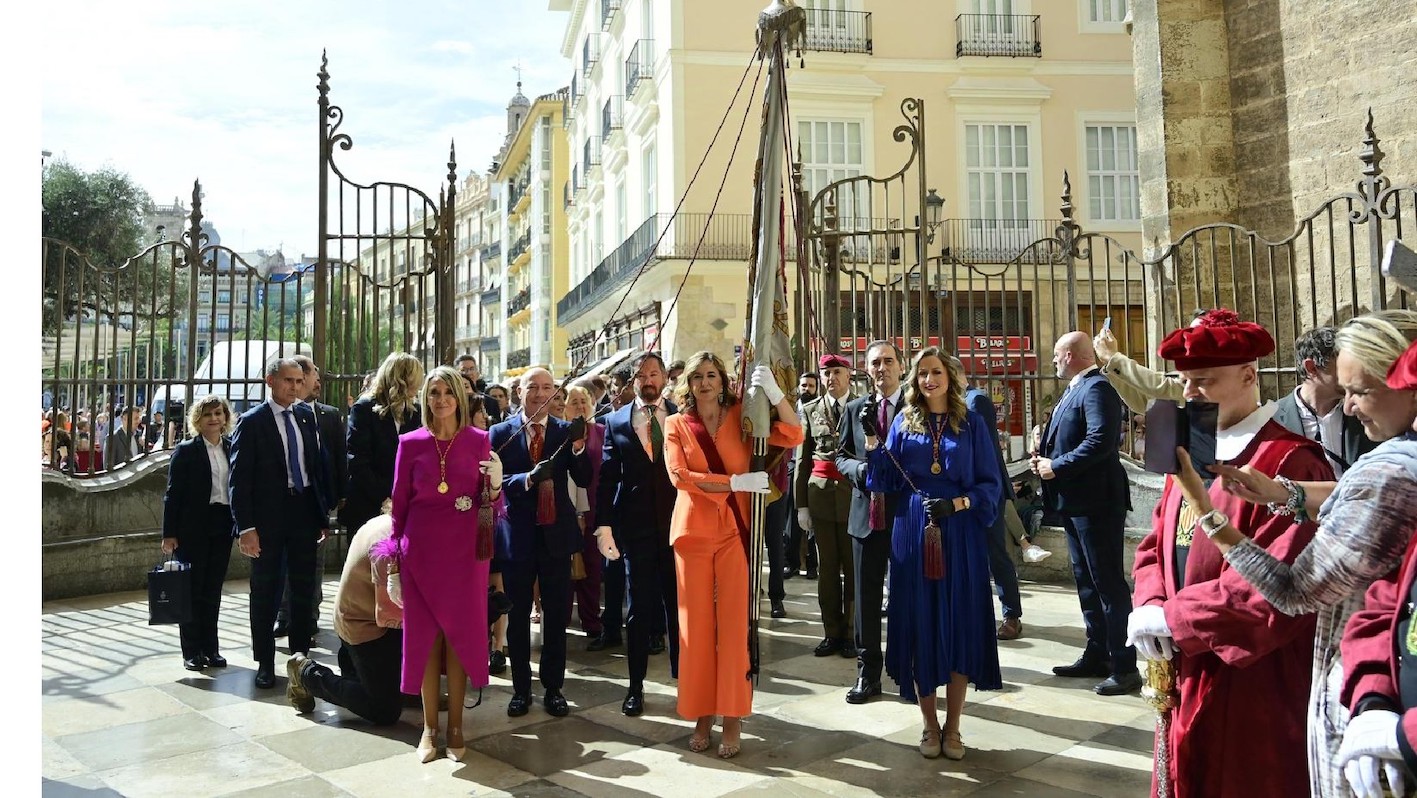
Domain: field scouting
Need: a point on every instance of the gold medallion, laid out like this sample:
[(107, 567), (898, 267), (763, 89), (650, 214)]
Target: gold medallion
[(463, 503), (442, 487), (934, 468)]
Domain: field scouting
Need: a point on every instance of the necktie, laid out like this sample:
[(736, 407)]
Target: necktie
[(656, 435), (878, 499), (292, 453), (545, 491)]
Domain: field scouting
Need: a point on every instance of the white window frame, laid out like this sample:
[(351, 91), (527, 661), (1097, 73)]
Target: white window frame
[(1082, 185), (1031, 120), (1086, 24), (862, 207), (649, 181)]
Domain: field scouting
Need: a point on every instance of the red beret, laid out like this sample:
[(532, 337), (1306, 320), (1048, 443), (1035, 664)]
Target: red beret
[(1217, 338), (1402, 376), (834, 362)]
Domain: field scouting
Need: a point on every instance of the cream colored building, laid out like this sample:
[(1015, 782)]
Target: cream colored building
[(1015, 93), (470, 213)]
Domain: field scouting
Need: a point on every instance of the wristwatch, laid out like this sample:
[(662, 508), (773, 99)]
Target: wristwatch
[(1212, 522)]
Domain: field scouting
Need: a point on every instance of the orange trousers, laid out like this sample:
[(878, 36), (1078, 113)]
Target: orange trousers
[(712, 574)]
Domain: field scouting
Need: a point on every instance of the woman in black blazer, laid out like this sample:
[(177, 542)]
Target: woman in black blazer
[(197, 524), (387, 410)]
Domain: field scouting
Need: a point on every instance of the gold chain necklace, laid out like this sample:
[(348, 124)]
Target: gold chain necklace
[(935, 437), (443, 462)]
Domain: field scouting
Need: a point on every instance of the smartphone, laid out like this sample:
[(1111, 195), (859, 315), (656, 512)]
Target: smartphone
[(1192, 425), (1107, 323)]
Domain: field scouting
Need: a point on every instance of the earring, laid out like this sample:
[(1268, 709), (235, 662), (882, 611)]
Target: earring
[(723, 399)]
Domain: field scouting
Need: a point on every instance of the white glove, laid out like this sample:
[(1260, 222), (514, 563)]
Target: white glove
[(763, 380), (605, 541), (804, 519), (395, 588), (1362, 774), (751, 482), (1146, 627), (492, 467), (1370, 740), (1154, 647)]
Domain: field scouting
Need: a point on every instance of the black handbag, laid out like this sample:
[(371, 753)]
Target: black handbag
[(170, 593)]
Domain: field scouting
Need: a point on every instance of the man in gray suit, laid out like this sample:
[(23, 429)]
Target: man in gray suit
[(123, 443), (1315, 408)]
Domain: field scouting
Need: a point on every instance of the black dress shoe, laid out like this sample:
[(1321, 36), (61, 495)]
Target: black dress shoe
[(827, 647), (496, 662), (847, 650), (634, 704), (266, 677), (656, 644), (1085, 666), (216, 661), (602, 642), (1119, 684), (812, 574), (789, 573), (195, 663), (282, 629), (778, 611), (555, 704), (518, 706), (862, 691)]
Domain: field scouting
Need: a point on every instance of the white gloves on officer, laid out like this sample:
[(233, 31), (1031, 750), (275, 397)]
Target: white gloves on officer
[(751, 482), (1370, 741), (605, 541), (804, 519), (763, 380), (395, 588), (1148, 631), (492, 467)]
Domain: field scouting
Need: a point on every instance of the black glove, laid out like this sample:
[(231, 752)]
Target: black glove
[(576, 432), (939, 509), (541, 472), (867, 415)]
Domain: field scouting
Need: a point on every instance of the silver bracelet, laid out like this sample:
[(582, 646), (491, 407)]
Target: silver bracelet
[(1294, 506)]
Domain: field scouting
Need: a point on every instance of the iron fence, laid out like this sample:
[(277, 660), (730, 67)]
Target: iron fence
[(832, 31)]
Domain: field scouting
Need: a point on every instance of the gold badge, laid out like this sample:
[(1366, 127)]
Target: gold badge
[(463, 503)]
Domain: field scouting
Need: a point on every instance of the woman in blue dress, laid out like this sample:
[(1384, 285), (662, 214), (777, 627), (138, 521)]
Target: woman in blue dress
[(938, 457)]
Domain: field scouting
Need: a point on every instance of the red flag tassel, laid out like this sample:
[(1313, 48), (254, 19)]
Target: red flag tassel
[(546, 503), (485, 527), (934, 553)]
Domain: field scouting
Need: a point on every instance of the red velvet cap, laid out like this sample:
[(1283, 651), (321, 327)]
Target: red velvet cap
[(1217, 338), (833, 362), (1402, 376)]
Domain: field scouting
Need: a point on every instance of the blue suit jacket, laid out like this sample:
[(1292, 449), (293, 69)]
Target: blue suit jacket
[(258, 469), (979, 400), (517, 532), (1082, 441), (636, 498)]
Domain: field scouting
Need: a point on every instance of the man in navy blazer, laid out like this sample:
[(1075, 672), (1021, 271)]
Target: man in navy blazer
[(633, 510), (533, 548), (280, 489), (1084, 482), (1001, 564)]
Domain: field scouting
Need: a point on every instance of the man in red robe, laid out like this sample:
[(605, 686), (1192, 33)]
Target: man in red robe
[(1242, 666)]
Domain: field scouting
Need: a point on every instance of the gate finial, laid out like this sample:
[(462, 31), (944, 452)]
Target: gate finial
[(324, 73), (1372, 155), (452, 162)]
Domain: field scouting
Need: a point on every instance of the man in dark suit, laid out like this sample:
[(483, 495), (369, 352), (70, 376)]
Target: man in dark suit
[(280, 488), (123, 443), (633, 509), (1001, 565), (1083, 480), (870, 531), (1315, 408), (539, 533), (466, 364)]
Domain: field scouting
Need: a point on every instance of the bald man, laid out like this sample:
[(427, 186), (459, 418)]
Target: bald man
[(1083, 481)]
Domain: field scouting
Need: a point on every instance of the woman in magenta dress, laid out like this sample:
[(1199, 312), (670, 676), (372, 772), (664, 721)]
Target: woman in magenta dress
[(442, 476)]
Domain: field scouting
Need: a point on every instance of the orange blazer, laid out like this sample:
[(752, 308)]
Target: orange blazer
[(700, 512)]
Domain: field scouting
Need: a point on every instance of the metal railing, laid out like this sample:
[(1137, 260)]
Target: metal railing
[(519, 358), (1013, 36), (591, 151), (994, 240), (830, 31), (612, 116), (607, 12), (569, 192), (519, 246), (590, 54), (639, 65), (494, 250), (520, 302)]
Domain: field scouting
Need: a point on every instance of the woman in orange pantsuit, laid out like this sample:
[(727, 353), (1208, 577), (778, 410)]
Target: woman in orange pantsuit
[(709, 560)]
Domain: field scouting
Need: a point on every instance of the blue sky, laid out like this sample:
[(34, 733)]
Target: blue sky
[(225, 92)]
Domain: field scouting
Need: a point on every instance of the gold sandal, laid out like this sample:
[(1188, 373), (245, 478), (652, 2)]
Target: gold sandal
[(699, 744)]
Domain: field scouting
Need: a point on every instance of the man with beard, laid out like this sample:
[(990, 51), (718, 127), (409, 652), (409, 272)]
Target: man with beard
[(634, 506)]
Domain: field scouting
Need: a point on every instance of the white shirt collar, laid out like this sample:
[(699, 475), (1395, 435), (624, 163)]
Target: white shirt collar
[(894, 399), (657, 404), (528, 422), (1229, 443), (275, 406), (1077, 378)]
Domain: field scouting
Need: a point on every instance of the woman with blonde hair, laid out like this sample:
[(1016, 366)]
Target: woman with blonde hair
[(446, 473), (197, 523), (938, 456), (376, 420), (708, 461)]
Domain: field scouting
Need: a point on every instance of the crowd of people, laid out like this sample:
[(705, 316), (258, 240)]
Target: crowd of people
[(1275, 587)]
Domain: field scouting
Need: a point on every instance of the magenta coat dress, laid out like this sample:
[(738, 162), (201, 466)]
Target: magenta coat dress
[(444, 584)]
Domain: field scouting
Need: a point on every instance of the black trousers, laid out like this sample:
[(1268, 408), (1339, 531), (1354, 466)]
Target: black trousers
[(283, 617), (290, 541), (871, 556), (775, 538), (653, 591), (795, 536), (1001, 567), (208, 551), (1095, 545), (612, 617), (368, 682), (554, 573)]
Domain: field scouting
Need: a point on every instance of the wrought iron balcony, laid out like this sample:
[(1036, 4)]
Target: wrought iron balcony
[(590, 54), (490, 344), (519, 358), (997, 240), (831, 31), (494, 250), (612, 116), (568, 114), (639, 66), (519, 246), (520, 302), (607, 12), (569, 193), (592, 151), (1011, 36)]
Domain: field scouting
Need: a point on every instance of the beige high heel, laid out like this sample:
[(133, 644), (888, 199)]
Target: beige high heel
[(428, 745), (456, 752)]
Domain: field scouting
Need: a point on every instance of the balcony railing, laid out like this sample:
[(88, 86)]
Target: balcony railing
[(494, 250), (831, 31), (519, 358), (519, 302), (639, 66), (491, 296), (607, 12), (592, 151), (519, 246), (590, 54), (490, 343), (612, 116), (998, 240), (568, 113), (718, 237), (1011, 36), (569, 193)]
